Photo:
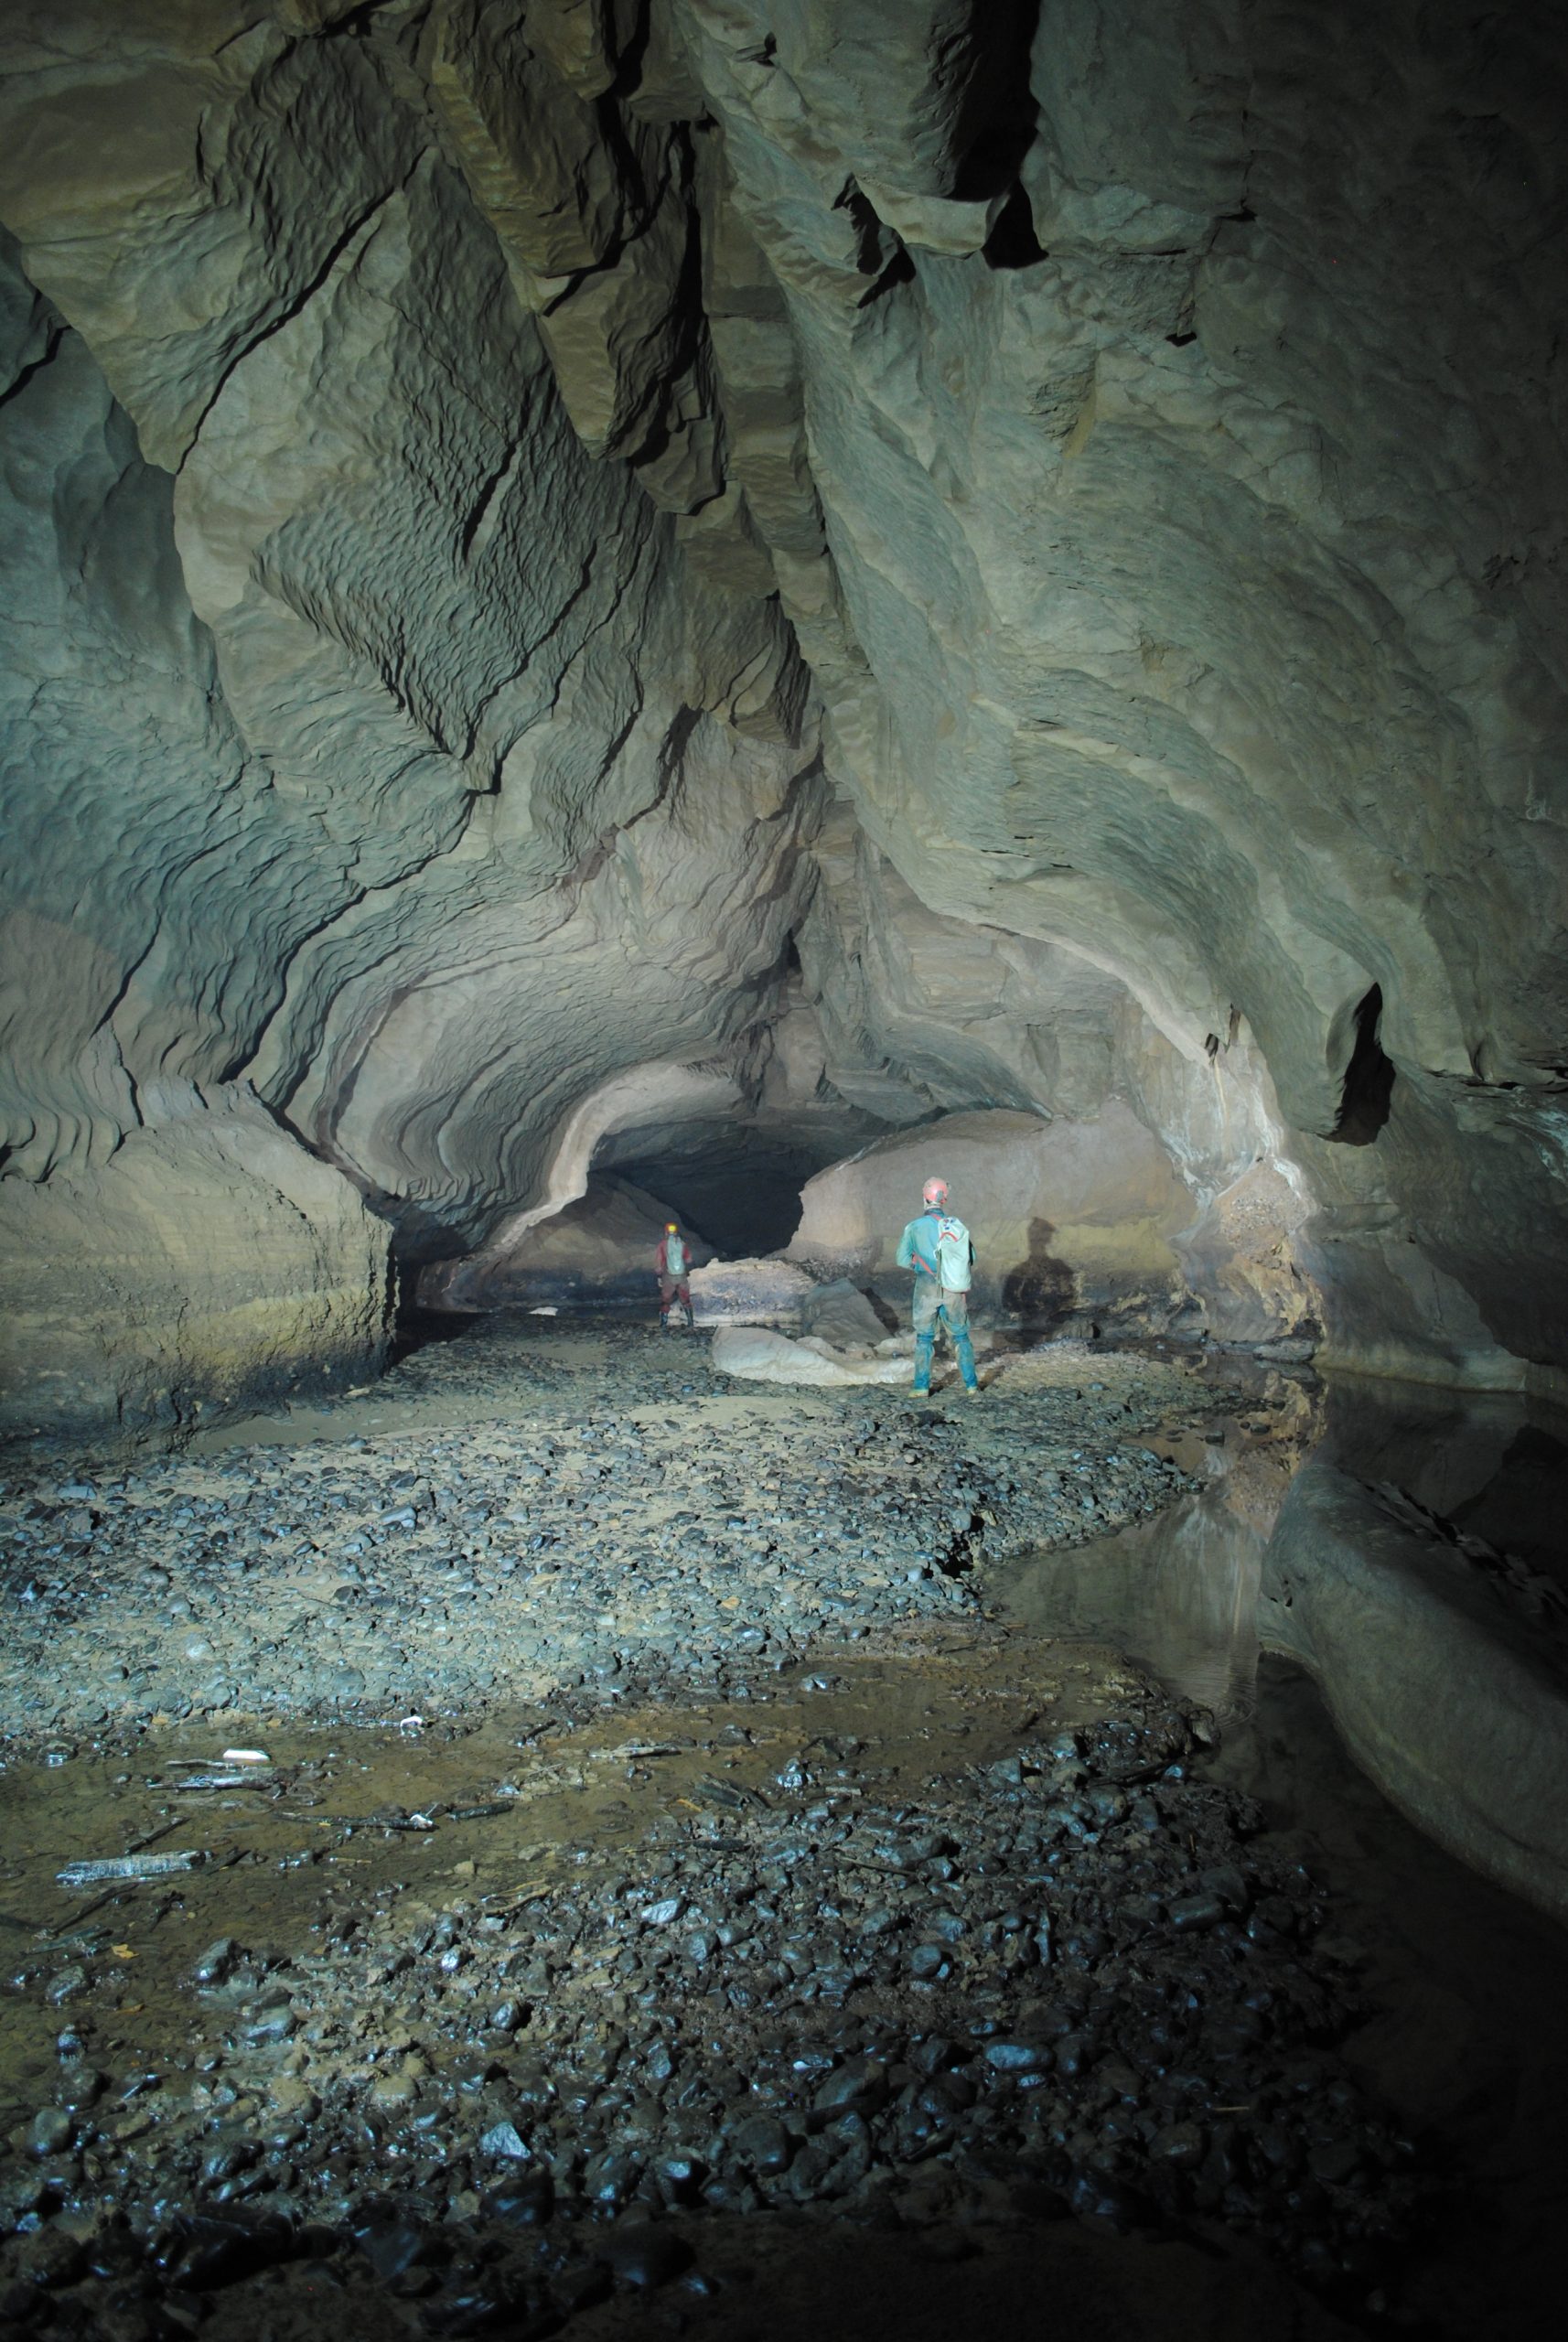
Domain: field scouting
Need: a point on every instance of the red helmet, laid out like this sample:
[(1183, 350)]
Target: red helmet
[(935, 1191)]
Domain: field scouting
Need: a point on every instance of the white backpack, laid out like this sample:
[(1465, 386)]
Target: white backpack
[(954, 1251)]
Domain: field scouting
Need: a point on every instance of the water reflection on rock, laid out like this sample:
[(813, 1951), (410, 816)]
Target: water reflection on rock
[(1401, 1544), (1178, 1594)]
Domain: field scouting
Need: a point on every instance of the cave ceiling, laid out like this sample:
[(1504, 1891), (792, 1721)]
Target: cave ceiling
[(885, 559)]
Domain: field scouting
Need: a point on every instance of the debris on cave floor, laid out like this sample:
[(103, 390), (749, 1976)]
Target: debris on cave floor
[(537, 1507), (998, 1966), (551, 1809)]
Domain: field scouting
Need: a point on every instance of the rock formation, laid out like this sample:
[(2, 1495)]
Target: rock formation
[(597, 1250), (683, 590), (1065, 1215), (1399, 1626)]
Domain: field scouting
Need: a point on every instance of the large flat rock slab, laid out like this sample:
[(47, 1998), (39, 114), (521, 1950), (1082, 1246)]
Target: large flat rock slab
[(759, 1355)]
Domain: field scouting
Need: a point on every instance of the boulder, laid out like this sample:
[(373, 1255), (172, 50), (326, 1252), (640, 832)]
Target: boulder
[(753, 1354), (840, 1314), (748, 1292)]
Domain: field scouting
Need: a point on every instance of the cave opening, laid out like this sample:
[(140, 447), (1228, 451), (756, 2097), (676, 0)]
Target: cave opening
[(743, 1200), (1012, 244)]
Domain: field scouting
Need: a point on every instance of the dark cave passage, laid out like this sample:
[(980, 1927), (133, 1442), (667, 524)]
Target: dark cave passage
[(1367, 1094), (739, 1190)]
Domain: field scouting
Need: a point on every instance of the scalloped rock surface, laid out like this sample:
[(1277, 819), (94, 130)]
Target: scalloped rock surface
[(883, 571)]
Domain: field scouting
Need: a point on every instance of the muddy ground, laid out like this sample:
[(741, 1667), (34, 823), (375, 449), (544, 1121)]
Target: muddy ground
[(726, 1913)]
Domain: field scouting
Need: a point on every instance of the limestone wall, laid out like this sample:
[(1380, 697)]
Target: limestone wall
[(886, 562), (1182, 588), (210, 1262)]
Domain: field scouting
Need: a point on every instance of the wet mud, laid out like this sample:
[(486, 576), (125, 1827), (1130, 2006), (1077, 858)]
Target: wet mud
[(846, 1966)]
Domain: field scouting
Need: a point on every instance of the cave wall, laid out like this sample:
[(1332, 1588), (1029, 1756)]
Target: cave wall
[(364, 741), (214, 1264), (894, 562), (1186, 587)]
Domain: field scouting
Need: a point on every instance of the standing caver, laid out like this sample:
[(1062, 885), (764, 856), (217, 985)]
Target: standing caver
[(673, 1264), (939, 1250)]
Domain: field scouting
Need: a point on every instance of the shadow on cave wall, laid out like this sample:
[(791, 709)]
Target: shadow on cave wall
[(1042, 1290)]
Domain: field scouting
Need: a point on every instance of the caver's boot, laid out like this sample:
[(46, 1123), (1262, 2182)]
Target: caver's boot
[(925, 1344), (664, 1321), (690, 1319)]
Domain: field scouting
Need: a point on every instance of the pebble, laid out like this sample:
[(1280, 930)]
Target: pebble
[(213, 1965), (49, 2132), (1080, 1975), (422, 1568), (1017, 2056), (1147, 2073), (1195, 1911)]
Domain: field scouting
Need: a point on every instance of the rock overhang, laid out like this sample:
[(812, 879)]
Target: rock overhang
[(637, 569)]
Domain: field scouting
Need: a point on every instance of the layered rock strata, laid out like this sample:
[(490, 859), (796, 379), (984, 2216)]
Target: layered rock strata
[(800, 549), (217, 1263)]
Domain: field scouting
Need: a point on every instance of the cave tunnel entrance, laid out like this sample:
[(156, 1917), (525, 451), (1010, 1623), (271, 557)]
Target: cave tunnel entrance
[(744, 1209), (1367, 1092), (736, 1185)]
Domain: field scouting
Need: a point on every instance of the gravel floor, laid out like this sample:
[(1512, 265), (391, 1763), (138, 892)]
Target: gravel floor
[(553, 1509), (1068, 1979), (818, 1951)]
